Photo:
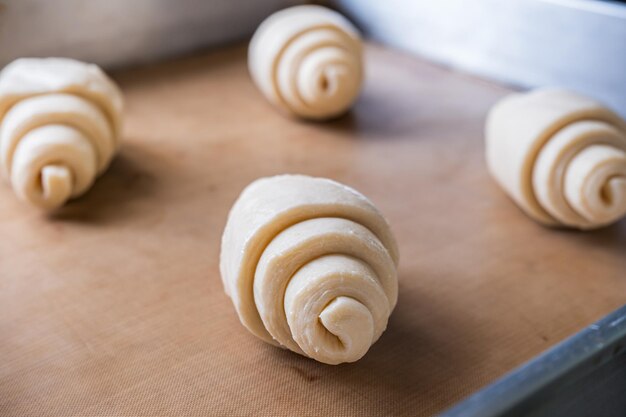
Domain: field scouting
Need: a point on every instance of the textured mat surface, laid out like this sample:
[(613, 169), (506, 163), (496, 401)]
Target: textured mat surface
[(114, 306)]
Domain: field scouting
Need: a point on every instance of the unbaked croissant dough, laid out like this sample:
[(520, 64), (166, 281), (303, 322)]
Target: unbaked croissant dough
[(60, 121), (307, 60), (560, 156), (310, 265)]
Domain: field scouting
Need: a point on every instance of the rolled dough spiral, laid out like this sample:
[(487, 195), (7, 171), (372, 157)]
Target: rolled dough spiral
[(310, 265), (60, 121), (560, 156), (307, 60)]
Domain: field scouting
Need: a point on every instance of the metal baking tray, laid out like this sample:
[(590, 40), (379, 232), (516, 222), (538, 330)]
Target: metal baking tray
[(584, 376), (575, 44)]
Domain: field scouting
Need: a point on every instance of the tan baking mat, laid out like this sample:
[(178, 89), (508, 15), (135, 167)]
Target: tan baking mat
[(114, 307)]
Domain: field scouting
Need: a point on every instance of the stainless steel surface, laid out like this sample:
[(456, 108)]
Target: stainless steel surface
[(583, 376), (578, 44)]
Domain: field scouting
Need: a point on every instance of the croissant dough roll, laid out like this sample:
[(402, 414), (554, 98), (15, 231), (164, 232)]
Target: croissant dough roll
[(560, 156), (60, 123), (310, 265), (307, 60)]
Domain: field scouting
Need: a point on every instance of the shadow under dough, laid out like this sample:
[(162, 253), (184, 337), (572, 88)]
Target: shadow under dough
[(421, 348), (375, 116), (610, 238), (117, 192)]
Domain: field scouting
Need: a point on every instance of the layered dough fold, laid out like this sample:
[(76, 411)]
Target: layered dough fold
[(560, 156), (60, 123), (310, 265), (307, 60)]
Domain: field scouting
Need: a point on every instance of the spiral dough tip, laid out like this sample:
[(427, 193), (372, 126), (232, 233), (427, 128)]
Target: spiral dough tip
[(310, 265), (307, 60), (56, 182), (59, 127), (560, 156)]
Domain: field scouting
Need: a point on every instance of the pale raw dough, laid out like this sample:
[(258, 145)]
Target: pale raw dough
[(310, 265), (307, 60), (560, 156), (60, 123)]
